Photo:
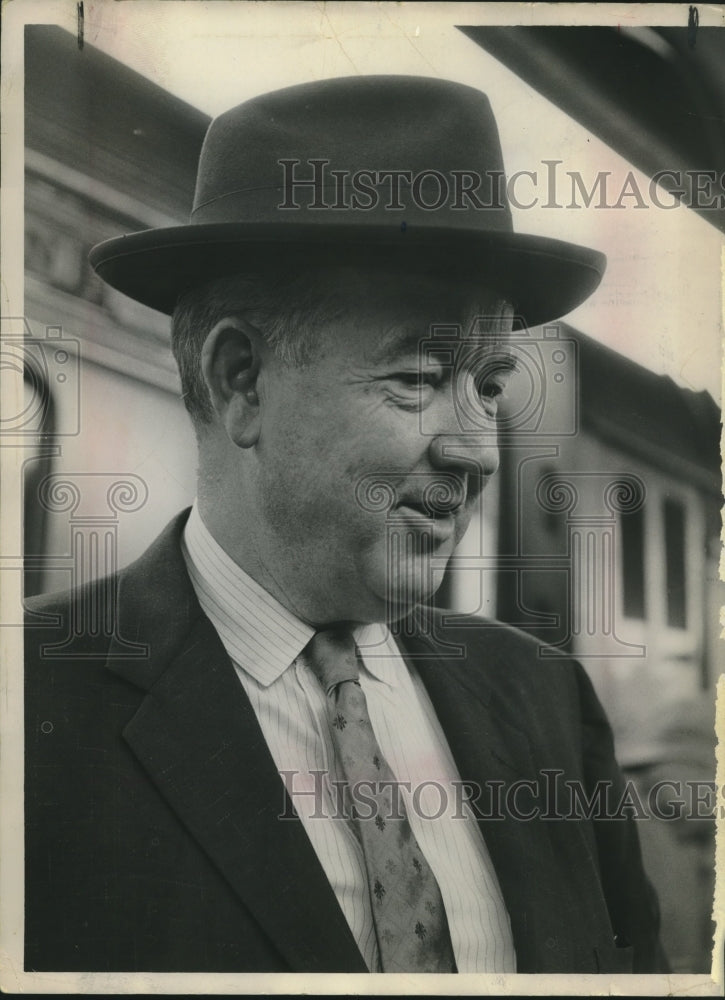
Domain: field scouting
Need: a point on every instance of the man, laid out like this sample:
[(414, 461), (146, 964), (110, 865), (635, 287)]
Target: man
[(283, 760)]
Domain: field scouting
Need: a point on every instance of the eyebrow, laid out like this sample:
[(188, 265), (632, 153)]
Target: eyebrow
[(505, 360), (397, 340), (497, 352), (407, 338)]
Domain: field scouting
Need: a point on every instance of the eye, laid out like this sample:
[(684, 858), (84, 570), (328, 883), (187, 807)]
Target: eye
[(413, 389), (416, 380), (492, 381), (490, 388), (412, 379)]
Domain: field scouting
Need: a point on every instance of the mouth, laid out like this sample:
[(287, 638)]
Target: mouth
[(441, 520), (430, 511)]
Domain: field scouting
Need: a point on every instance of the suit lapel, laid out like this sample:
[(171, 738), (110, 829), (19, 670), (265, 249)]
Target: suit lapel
[(493, 754), (198, 738)]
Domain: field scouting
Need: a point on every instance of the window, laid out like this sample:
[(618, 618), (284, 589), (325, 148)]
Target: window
[(40, 413), (674, 518), (632, 526)]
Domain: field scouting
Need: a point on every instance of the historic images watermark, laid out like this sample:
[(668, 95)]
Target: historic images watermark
[(548, 796), (316, 184), (92, 504)]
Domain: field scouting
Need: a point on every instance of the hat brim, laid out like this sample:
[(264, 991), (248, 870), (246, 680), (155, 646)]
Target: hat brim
[(543, 278)]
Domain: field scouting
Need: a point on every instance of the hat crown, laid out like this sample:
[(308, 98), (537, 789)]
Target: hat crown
[(385, 149), (391, 172)]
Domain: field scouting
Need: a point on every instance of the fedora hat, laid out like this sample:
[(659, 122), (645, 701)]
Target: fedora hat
[(402, 171)]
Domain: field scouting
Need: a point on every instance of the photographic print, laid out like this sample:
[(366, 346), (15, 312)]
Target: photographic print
[(361, 497)]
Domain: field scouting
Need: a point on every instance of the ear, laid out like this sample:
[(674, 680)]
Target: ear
[(231, 359)]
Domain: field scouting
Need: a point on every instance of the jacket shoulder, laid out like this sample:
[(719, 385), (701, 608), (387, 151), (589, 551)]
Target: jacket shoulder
[(526, 674), (494, 645), (59, 602), (82, 615)]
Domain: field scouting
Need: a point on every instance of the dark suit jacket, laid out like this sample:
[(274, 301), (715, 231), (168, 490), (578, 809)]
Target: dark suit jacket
[(153, 838)]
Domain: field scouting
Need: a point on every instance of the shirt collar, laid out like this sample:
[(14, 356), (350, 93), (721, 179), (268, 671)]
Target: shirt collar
[(260, 634), (379, 653)]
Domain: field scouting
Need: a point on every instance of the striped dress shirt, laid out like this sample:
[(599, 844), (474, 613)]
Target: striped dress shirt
[(266, 645)]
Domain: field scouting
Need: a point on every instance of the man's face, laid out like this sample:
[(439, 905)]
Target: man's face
[(371, 458)]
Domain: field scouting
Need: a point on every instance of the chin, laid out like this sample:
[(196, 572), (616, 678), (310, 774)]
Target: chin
[(409, 591), (391, 589)]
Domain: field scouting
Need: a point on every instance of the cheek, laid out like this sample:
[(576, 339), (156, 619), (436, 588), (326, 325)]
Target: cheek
[(329, 463), (309, 487)]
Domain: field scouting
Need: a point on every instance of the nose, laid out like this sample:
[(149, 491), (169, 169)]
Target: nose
[(462, 448), (474, 455)]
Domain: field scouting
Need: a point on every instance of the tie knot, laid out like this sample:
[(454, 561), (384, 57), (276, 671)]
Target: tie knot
[(333, 657)]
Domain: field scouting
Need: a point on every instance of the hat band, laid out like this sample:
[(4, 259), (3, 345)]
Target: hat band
[(461, 199)]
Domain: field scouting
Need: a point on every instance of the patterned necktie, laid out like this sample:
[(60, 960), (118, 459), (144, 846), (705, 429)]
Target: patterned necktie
[(410, 920)]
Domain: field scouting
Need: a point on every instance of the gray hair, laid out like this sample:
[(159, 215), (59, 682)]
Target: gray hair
[(286, 308)]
